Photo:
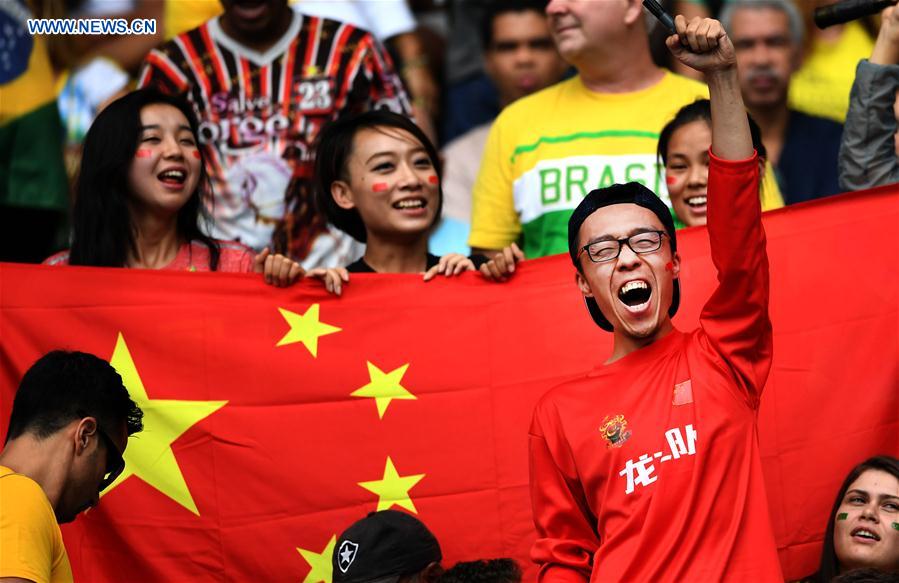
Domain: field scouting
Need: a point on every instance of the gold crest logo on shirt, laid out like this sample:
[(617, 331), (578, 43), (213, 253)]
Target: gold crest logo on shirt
[(614, 430)]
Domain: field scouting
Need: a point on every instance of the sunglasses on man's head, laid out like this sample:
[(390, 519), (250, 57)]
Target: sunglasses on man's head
[(115, 463)]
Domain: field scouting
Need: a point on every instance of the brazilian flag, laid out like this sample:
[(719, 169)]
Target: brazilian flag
[(32, 169)]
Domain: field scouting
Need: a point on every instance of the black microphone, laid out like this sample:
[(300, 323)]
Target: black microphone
[(848, 10), (659, 12)]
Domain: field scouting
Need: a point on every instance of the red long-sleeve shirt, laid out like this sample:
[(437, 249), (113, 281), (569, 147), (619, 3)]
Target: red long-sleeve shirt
[(648, 469)]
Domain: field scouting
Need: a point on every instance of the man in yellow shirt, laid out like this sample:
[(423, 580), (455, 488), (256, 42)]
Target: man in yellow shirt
[(69, 427), (545, 152)]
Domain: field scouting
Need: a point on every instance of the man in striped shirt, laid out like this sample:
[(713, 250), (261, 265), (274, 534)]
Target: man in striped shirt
[(263, 80)]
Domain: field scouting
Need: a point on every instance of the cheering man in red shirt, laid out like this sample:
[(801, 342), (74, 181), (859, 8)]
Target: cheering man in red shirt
[(648, 468)]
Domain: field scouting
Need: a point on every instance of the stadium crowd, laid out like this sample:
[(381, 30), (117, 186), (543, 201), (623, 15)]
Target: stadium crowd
[(315, 140), (262, 80)]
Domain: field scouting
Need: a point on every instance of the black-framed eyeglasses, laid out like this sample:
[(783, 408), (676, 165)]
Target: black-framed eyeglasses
[(115, 463), (607, 250)]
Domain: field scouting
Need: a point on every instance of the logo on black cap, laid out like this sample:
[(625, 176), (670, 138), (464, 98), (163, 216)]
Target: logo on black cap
[(346, 554)]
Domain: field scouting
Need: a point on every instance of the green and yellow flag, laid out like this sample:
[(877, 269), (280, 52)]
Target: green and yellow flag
[(32, 171)]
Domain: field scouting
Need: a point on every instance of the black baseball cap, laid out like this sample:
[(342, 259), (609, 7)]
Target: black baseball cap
[(383, 544), (630, 193)]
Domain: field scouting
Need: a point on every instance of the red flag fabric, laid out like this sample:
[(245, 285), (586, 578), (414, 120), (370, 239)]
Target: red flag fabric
[(277, 417)]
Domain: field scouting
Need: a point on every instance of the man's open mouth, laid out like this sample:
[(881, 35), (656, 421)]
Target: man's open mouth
[(635, 294)]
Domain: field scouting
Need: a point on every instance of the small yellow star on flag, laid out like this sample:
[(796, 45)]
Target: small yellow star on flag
[(393, 489), (384, 387), (149, 455), (305, 328), (320, 563)]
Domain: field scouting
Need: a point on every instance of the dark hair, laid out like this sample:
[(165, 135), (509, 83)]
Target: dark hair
[(829, 566), (483, 571), (102, 229), (701, 110), (500, 7), (865, 576), (335, 146), (64, 386)]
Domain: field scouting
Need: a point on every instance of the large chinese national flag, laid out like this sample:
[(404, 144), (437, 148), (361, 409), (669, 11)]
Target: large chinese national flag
[(277, 417)]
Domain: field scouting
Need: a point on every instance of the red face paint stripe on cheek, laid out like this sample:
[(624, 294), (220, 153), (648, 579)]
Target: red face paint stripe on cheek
[(433, 179), (379, 187), (196, 154), (143, 153), (669, 266), (669, 180)]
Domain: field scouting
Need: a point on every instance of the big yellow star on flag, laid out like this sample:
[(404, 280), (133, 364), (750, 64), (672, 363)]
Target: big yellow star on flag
[(149, 455), (384, 387), (305, 328), (393, 489), (321, 571)]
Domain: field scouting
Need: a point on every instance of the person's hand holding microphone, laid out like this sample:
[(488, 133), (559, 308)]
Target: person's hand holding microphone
[(703, 44)]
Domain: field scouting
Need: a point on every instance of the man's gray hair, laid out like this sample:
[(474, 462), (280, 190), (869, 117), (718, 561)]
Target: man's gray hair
[(797, 26)]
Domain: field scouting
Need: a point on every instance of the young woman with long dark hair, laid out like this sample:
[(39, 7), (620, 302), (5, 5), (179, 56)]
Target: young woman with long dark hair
[(863, 525), (138, 200)]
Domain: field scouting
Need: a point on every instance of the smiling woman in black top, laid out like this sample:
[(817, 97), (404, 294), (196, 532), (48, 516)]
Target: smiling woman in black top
[(378, 179)]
